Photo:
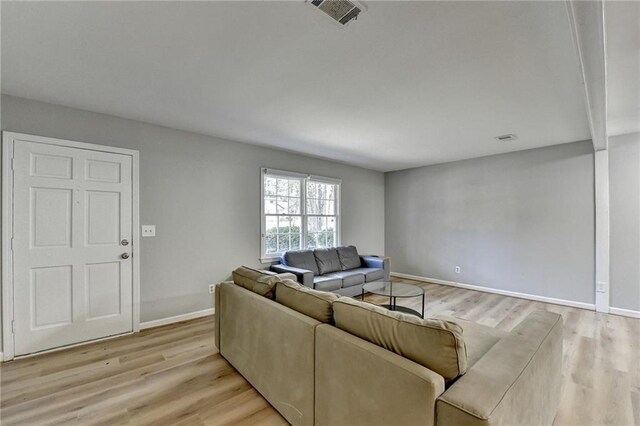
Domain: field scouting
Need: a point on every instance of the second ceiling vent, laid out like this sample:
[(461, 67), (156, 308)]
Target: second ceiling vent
[(506, 138), (341, 11)]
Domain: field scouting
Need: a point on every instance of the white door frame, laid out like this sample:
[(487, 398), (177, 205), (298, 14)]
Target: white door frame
[(8, 139)]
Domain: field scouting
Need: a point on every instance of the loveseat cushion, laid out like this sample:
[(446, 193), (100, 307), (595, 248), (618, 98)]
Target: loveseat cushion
[(349, 278), (327, 260), (435, 344), (303, 259), (349, 257), (370, 274), (327, 283), (255, 281), (313, 303)]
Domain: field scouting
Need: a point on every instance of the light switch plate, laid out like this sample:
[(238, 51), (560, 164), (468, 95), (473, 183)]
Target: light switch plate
[(148, 230)]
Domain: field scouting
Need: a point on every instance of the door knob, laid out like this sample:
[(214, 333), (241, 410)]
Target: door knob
[(124, 255)]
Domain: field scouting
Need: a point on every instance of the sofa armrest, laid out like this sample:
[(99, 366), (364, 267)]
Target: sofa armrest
[(359, 383), (517, 381), (287, 276), (272, 347), (377, 262), (304, 276), (216, 313)]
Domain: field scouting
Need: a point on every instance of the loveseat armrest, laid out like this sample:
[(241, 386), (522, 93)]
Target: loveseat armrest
[(304, 276), (287, 276), (517, 381), (377, 262)]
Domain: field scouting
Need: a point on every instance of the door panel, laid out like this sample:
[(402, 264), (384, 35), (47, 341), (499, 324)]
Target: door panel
[(72, 209), (103, 289), (51, 166), (102, 171), (103, 218), (52, 303), (50, 217)]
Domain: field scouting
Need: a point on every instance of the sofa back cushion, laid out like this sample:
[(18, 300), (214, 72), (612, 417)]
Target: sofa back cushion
[(435, 344), (255, 281), (349, 257), (327, 260), (303, 259), (313, 303)]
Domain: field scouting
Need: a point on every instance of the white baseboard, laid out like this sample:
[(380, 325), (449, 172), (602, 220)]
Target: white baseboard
[(563, 302), (625, 312), (177, 318)]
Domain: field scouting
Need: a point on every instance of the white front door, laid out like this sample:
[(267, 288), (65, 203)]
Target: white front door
[(72, 229)]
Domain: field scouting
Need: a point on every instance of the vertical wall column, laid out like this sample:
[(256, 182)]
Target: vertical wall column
[(586, 19), (602, 231)]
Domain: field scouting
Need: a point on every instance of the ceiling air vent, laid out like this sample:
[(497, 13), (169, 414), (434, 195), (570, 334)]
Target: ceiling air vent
[(340, 11), (506, 138)]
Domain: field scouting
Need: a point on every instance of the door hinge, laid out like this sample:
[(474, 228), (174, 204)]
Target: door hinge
[(13, 161), (13, 326)]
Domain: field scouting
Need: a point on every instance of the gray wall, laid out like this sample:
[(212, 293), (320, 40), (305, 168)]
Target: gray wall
[(521, 222), (624, 185), (203, 195)]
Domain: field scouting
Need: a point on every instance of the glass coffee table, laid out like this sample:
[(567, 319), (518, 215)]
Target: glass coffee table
[(393, 290)]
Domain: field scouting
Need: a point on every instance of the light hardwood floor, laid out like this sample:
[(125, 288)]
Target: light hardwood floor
[(175, 375)]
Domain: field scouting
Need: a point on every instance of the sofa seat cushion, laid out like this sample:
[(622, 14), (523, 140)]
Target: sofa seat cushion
[(433, 343), (349, 278), (370, 274), (477, 337), (349, 257), (327, 283), (255, 281), (313, 303), (303, 259), (327, 260)]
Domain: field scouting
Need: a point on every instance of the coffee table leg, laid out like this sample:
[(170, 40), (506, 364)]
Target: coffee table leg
[(422, 306)]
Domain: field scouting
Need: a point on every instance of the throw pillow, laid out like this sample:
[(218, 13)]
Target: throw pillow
[(433, 343), (255, 281)]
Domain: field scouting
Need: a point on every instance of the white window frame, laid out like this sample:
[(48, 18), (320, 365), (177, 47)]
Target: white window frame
[(304, 178)]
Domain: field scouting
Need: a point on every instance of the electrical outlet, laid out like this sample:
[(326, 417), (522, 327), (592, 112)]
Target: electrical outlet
[(212, 288), (457, 269), (601, 287), (148, 230)]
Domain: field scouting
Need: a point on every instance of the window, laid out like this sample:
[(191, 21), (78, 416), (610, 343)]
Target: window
[(298, 211)]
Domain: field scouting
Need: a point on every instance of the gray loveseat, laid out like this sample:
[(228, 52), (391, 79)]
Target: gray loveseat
[(339, 269)]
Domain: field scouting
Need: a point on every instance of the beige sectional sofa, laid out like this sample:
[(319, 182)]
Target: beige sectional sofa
[(321, 359)]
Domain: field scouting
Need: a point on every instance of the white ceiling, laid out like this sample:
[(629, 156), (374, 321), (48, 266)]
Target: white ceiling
[(408, 84), (622, 21)]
